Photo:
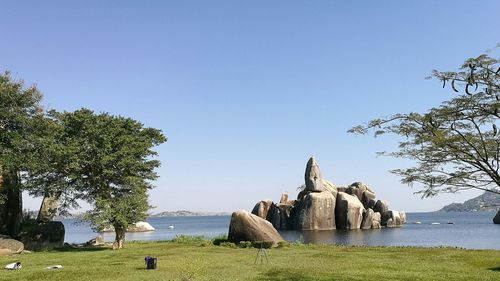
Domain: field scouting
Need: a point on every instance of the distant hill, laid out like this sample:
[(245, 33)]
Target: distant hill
[(184, 213), (486, 202)]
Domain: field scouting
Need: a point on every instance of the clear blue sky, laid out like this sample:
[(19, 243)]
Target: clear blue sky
[(246, 91)]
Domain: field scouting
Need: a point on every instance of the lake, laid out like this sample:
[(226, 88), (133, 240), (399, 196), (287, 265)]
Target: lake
[(469, 230)]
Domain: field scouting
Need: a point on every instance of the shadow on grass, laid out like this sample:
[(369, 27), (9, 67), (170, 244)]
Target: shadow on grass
[(291, 275), (495, 268), (79, 249)]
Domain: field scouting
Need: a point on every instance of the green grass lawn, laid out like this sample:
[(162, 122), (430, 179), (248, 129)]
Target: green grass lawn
[(194, 261)]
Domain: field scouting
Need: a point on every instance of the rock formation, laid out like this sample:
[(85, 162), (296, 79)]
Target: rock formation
[(42, 235), (10, 246), (496, 219), (323, 206), (262, 208), (349, 211), (312, 177), (245, 226), (316, 211), (98, 241), (140, 226)]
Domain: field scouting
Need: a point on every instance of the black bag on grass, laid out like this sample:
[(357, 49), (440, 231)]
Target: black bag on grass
[(150, 262)]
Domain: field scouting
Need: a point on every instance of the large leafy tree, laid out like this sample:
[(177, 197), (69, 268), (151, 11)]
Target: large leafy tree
[(456, 145), (107, 161), (21, 119)]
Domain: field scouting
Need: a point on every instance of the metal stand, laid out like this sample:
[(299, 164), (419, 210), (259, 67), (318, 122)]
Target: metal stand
[(261, 253)]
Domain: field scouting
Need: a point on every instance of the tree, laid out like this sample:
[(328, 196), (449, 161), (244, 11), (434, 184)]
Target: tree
[(108, 162), (20, 117), (456, 146)]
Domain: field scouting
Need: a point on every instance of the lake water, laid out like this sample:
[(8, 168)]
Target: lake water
[(469, 230)]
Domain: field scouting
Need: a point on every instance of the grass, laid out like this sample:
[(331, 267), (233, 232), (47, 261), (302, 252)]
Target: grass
[(192, 259)]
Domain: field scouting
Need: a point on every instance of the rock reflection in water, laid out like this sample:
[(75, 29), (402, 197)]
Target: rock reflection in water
[(345, 237)]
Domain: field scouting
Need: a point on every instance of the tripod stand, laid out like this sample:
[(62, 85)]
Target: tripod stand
[(262, 253)]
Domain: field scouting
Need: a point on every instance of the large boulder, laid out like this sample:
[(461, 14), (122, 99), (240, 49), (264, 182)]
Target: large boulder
[(327, 187), (42, 235), (262, 208), (140, 226), (98, 241), (381, 206), (496, 219), (349, 211), (392, 218), (10, 246), (402, 216), (279, 216), (330, 187), (316, 211), (367, 219), (376, 220), (245, 226), (312, 176), (368, 199)]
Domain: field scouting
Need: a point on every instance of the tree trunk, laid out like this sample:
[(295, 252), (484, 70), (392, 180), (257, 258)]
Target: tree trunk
[(48, 209), (119, 238), (12, 207)]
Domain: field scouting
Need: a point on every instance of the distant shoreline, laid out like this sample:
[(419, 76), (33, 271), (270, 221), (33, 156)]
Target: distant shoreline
[(184, 213)]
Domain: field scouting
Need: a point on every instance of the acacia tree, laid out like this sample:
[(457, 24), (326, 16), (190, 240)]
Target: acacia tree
[(20, 118), (456, 146), (109, 164)]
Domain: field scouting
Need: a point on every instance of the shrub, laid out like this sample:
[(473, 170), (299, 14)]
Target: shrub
[(283, 244), (263, 244), (187, 239), (206, 243), (228, 244), (245, 244)]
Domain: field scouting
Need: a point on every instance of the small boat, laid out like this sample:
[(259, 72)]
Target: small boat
[(450, 222), (418, 222), (435, 223), (171, 227)]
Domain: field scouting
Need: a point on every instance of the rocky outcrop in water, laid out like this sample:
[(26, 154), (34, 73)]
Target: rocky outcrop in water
[(496, 219), (323, 206)]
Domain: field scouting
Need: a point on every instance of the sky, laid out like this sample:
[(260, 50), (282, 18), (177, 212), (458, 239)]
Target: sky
[(247, 91)]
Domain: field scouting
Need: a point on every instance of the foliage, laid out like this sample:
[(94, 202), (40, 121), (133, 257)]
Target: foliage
[(283, 244), (219, 239), (20, 113), (455, 146), (103, 159), (188, 239), (21, 127), (325, 262), (228, 245), (263, 244), (245, 244)]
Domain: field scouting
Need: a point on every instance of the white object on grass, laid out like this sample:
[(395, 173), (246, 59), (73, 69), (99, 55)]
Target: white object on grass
[(57, 266), (13, 266)]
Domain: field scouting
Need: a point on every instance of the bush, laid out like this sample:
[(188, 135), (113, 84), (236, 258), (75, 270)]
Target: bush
[(283, 244), (228, 244), (187, 239), (263, 244), (206, 243), (218, 241), (245, 244)]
